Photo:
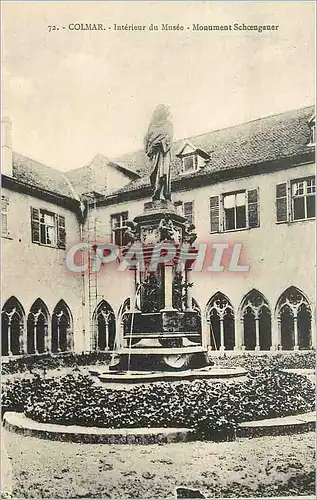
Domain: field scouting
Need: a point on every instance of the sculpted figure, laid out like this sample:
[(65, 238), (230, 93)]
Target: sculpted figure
[(190, 234), (166, 229), (157, 143), (131, 234)]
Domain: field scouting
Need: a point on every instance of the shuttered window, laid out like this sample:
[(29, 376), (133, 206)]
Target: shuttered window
[(48, 228), (4, 216), (214, 214), (188, 211), (234, 211), (253, 208), (281, 202)]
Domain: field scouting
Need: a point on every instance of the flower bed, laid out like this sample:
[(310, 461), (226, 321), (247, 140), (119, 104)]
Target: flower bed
[(272, 361), (212, 409), (49, 361)]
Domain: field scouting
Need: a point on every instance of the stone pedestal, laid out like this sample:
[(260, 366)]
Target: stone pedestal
[(165, 333)]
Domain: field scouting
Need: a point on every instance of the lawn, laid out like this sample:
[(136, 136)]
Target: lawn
[(268, 466)]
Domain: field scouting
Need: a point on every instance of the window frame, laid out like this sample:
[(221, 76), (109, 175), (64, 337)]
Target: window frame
[(195, 163), (305, 195), (121, 227), (223, 216), (43, 212), (59, 228)]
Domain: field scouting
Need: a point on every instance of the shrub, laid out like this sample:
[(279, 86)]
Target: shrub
[(276, 361), (50, 361), (213, 409)]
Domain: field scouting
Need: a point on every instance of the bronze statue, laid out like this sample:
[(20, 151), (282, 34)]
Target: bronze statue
[(157, 144)]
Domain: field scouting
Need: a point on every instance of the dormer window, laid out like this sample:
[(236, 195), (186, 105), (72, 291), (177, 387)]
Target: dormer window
[(312, 132), (190, 163), (193, 158)]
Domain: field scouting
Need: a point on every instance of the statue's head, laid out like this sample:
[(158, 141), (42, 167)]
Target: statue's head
[(161, 113)]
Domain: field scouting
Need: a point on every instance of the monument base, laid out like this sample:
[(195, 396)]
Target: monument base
[(161, 360)]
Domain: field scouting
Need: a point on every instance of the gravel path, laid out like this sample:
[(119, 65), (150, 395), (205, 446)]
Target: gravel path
[(268, 466)]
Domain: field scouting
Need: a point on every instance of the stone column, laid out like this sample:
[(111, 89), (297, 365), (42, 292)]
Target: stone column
[(58, 349), (222, 335), (9, 337), (22, 345), (35, 336), (237, 334), (257, 333), (107, 332), (279, 333), (168, 288), (296, 346)]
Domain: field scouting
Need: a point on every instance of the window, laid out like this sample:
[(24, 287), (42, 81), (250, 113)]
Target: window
[(295, 200), (48, 228), (232, 211), (4, 216), (188, 211), (303, 199), (192, 162), (118, 228), (234, 206), (189, 163)]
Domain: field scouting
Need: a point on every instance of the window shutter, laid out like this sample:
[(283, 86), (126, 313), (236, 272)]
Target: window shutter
[(214, 214), (4, 215), (253, 208), (188, 211), (61, 232), (35, 225), (281, 203)]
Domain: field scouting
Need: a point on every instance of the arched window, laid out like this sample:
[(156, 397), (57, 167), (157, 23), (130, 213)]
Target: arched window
[(294, 320), (12, 327), (104, 327), (256, 318), (37, 328), (62, 328), (220, 317)]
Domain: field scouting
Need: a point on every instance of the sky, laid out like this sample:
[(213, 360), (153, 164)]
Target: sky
[(73, 94)]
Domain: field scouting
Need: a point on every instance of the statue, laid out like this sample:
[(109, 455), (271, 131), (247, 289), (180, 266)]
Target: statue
[(157, 144), (131, 234), (166, 229), (190, 234)]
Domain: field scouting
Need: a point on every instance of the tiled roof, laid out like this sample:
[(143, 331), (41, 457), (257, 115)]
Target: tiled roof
[(92, 177), (266, 139), (41, 176)]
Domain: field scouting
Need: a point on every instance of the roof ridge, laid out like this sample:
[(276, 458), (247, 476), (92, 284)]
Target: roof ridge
[(241, 124)]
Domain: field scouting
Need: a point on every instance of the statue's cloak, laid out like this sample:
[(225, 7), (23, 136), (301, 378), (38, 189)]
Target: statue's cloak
[(157, 144)]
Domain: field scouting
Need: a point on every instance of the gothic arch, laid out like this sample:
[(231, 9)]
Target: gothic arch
[(104, 331), (38, 328), (12, 327), (220, 317), (255, 315), (62, 328), (294, 314)]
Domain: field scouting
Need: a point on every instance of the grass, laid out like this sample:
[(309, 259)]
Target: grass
[(268, 466)]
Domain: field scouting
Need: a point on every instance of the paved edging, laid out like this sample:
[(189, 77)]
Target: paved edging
[(278, 426), (19, 423)]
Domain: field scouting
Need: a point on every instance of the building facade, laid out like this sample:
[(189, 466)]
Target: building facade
[(251, 185)]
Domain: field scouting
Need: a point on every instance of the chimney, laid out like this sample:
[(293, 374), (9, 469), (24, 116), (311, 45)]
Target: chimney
[(6, 147)]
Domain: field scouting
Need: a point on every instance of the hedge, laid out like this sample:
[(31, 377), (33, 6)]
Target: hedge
[(212, 409), (50, 361)]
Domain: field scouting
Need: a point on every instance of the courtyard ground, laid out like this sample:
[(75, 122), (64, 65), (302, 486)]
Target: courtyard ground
[(267, 466)]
